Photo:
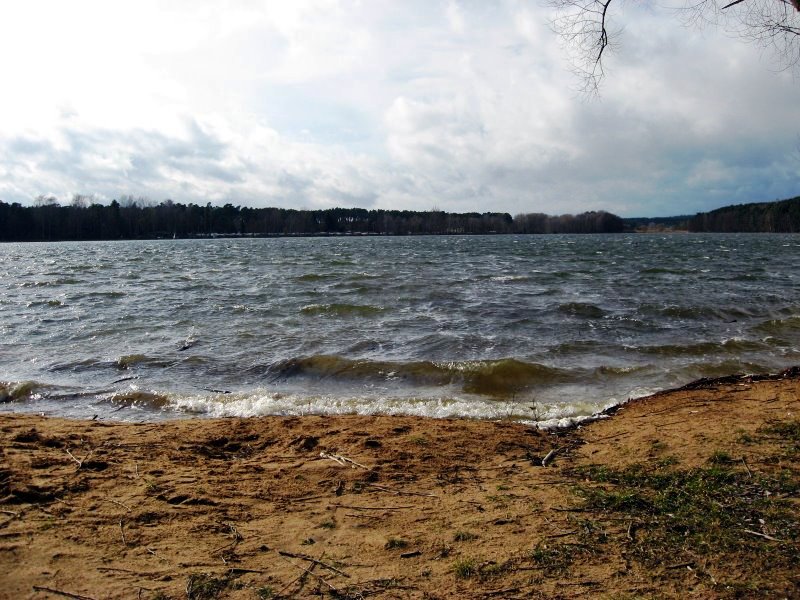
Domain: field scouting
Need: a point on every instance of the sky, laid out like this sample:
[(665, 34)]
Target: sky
[(457, 105)]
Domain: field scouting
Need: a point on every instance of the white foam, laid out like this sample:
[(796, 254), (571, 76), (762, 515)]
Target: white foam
[(262, 402)]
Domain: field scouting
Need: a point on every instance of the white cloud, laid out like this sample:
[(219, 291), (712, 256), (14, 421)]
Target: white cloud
[(463, 105)]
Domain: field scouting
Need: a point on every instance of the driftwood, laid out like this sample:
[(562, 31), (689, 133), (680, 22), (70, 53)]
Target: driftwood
[(371, 507), (41, 588), (343, 460), (550, 457)]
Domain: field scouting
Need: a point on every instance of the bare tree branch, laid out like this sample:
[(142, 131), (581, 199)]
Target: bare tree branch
[(585, 32)]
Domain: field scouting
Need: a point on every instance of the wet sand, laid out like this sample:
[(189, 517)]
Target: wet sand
[(400, 507)]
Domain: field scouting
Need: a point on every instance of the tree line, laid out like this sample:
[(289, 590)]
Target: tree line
[(138, 218), (767, 217)]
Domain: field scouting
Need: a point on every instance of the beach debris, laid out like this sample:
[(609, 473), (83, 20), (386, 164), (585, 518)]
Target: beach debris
[(763, 535), (550, 456), (309, 571), (350, 506), (343, 460), (400, 492), (79, 462), (41, 588), (314, 561)]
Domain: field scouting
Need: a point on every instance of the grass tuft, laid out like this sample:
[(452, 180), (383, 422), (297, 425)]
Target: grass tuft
[(395, 544), (464, 568)]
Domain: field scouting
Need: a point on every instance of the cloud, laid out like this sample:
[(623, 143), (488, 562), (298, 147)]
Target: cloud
[(462, 105)]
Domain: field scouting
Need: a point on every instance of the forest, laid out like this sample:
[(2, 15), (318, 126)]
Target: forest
[(138, 218), (764, 217)]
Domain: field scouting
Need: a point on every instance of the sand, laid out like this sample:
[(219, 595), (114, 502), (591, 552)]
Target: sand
[(399, 507)]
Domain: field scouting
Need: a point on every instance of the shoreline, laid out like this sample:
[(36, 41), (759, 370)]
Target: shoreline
[(412, 507)]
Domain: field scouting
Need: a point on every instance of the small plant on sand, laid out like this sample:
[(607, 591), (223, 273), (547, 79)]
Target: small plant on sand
[(418, 440), (202, 586), (787, 430), (720, 510), (464, 536), (554, 558), (265, 593), (658, 446), (464, 568), (720, 457), (395, 544), (329, 524)]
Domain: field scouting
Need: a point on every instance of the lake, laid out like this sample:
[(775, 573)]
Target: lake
[(532, 328)]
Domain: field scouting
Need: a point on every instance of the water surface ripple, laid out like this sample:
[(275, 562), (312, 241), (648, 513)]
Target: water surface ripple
[(525, 327)]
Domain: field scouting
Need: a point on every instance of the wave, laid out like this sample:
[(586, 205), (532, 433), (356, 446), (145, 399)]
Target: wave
[(777, 326), (609, 371), (666, 271), (489, 378), (696, 312), (342, 310), (54, 302), (262, 402), (20, 391), (729, 346), (128, 361), (316, 277), (122, 363), (582, 309), (137, 398)]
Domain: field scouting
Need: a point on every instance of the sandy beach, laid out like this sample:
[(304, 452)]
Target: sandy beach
[(688, 493)]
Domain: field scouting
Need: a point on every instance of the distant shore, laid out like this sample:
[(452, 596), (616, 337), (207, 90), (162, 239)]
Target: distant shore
[(688, 492)]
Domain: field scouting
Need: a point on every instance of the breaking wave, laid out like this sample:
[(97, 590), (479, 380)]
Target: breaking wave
[(490, 378)]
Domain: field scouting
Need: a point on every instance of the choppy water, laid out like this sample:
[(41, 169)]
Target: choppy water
[(528, 327)]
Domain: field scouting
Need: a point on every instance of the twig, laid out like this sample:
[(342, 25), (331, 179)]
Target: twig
[(749, 474), (41, 588), (79, 462), (10, 512), (304, 498), (343, 460), (371, 507), (560, 535), (122, 533), (140, 573), (502, 592), (401, 492), (125, 506), (763, 535), (239, 571), (315, 561), (295, 580), (681, 565), (331, 587), (610, 437)]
